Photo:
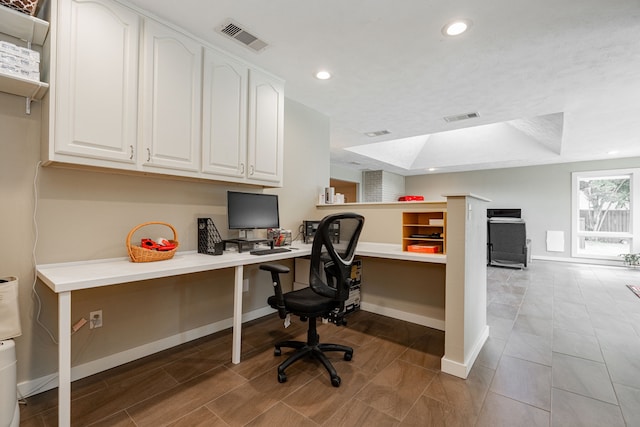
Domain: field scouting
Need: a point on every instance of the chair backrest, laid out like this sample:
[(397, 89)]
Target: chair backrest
[(332, 254), (507, 236)]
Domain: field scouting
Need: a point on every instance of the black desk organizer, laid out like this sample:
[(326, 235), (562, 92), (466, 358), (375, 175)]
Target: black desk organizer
[(209, 240), (246, 244)]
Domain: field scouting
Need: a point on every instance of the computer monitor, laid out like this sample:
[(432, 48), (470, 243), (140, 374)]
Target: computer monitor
[(249, 211)]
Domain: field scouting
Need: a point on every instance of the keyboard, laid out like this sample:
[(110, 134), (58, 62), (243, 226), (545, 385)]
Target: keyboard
[(269, 251)]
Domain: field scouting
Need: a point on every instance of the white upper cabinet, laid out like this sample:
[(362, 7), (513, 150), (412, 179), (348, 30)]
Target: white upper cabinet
[(172, 87), (242, 122), (130, 92), (266, 124), (224, 116), (96, 83)]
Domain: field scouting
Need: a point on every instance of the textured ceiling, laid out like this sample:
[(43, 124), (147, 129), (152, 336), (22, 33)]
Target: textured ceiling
[(552, 80)]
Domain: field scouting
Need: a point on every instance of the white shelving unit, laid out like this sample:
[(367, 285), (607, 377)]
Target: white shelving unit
[(17, 85), (31, 30), (22, 26)]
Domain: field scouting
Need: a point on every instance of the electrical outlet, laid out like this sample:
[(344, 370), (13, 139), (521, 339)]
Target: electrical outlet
[(95, 319), (245, 285)]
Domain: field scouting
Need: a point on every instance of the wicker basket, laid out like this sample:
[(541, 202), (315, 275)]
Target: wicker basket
[(25, 6), (140, 254)]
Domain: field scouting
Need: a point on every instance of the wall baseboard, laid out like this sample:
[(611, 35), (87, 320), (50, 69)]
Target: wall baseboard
[(462, 370), (49, 382), (592, 261), (403, 315)]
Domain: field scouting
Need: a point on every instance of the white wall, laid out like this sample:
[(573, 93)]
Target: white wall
[(342, 173), (306, 171), (382, 186), (346, 174), (542, 192), (392, 186), (87, 215)]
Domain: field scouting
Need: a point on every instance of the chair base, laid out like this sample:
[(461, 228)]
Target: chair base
[(311, 348)]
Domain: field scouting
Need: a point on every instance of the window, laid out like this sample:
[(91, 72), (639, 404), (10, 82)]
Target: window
[(605, 220)]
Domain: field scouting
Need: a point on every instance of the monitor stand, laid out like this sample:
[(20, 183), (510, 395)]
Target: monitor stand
[(246, 244)]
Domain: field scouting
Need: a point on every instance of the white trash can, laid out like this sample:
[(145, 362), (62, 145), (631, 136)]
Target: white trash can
[(9, 328), (9, 311), (9, 411)]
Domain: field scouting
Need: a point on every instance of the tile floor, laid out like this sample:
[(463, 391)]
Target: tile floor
[(563, 351)]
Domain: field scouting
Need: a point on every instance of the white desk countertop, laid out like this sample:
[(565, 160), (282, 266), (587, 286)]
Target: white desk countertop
[(72, 276), (392, 251)]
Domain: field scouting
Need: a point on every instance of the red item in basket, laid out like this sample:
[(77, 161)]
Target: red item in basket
[(410, 198)]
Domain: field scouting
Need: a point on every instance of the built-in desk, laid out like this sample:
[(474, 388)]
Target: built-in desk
[(65, 278), (465, 323), (465, 293)]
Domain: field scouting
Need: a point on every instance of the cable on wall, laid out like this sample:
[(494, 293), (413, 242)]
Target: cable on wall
[(54, 377), (33, 255)]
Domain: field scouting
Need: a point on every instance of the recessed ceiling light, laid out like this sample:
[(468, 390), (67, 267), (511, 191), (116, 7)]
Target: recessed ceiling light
[(431, 169), (457, 27), (323, 75)]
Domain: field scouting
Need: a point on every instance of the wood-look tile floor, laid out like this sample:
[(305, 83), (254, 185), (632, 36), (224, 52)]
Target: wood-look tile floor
[(563, 351)]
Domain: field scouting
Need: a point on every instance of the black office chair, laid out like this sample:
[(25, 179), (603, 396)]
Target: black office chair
[(330, 280)]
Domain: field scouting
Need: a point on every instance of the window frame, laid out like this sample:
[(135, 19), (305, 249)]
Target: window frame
[(634, 212)]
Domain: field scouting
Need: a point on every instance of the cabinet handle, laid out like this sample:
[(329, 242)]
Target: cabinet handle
[(251, 169), (131, 152), (148, 154), (242, 168)]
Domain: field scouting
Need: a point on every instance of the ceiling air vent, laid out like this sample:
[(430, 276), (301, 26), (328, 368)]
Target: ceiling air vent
[(236, 32), (377, 133), (459, 117)]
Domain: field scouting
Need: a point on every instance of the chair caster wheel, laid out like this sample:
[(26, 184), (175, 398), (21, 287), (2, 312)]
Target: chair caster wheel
[(282, 378), (348, 356), (335, 381), (277, 352)]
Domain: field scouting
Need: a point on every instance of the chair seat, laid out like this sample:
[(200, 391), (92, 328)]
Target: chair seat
[(305, 302)]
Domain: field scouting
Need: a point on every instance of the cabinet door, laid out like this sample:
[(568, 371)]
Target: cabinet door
[(171, 80), (224, 116), (266, 123), (96, 93)]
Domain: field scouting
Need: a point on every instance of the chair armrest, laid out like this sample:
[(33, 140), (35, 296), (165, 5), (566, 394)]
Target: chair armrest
[(276, 270)]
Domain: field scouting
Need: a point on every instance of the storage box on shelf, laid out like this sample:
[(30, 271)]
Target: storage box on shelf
[(423, 248), (424, 232), (19, 61)]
